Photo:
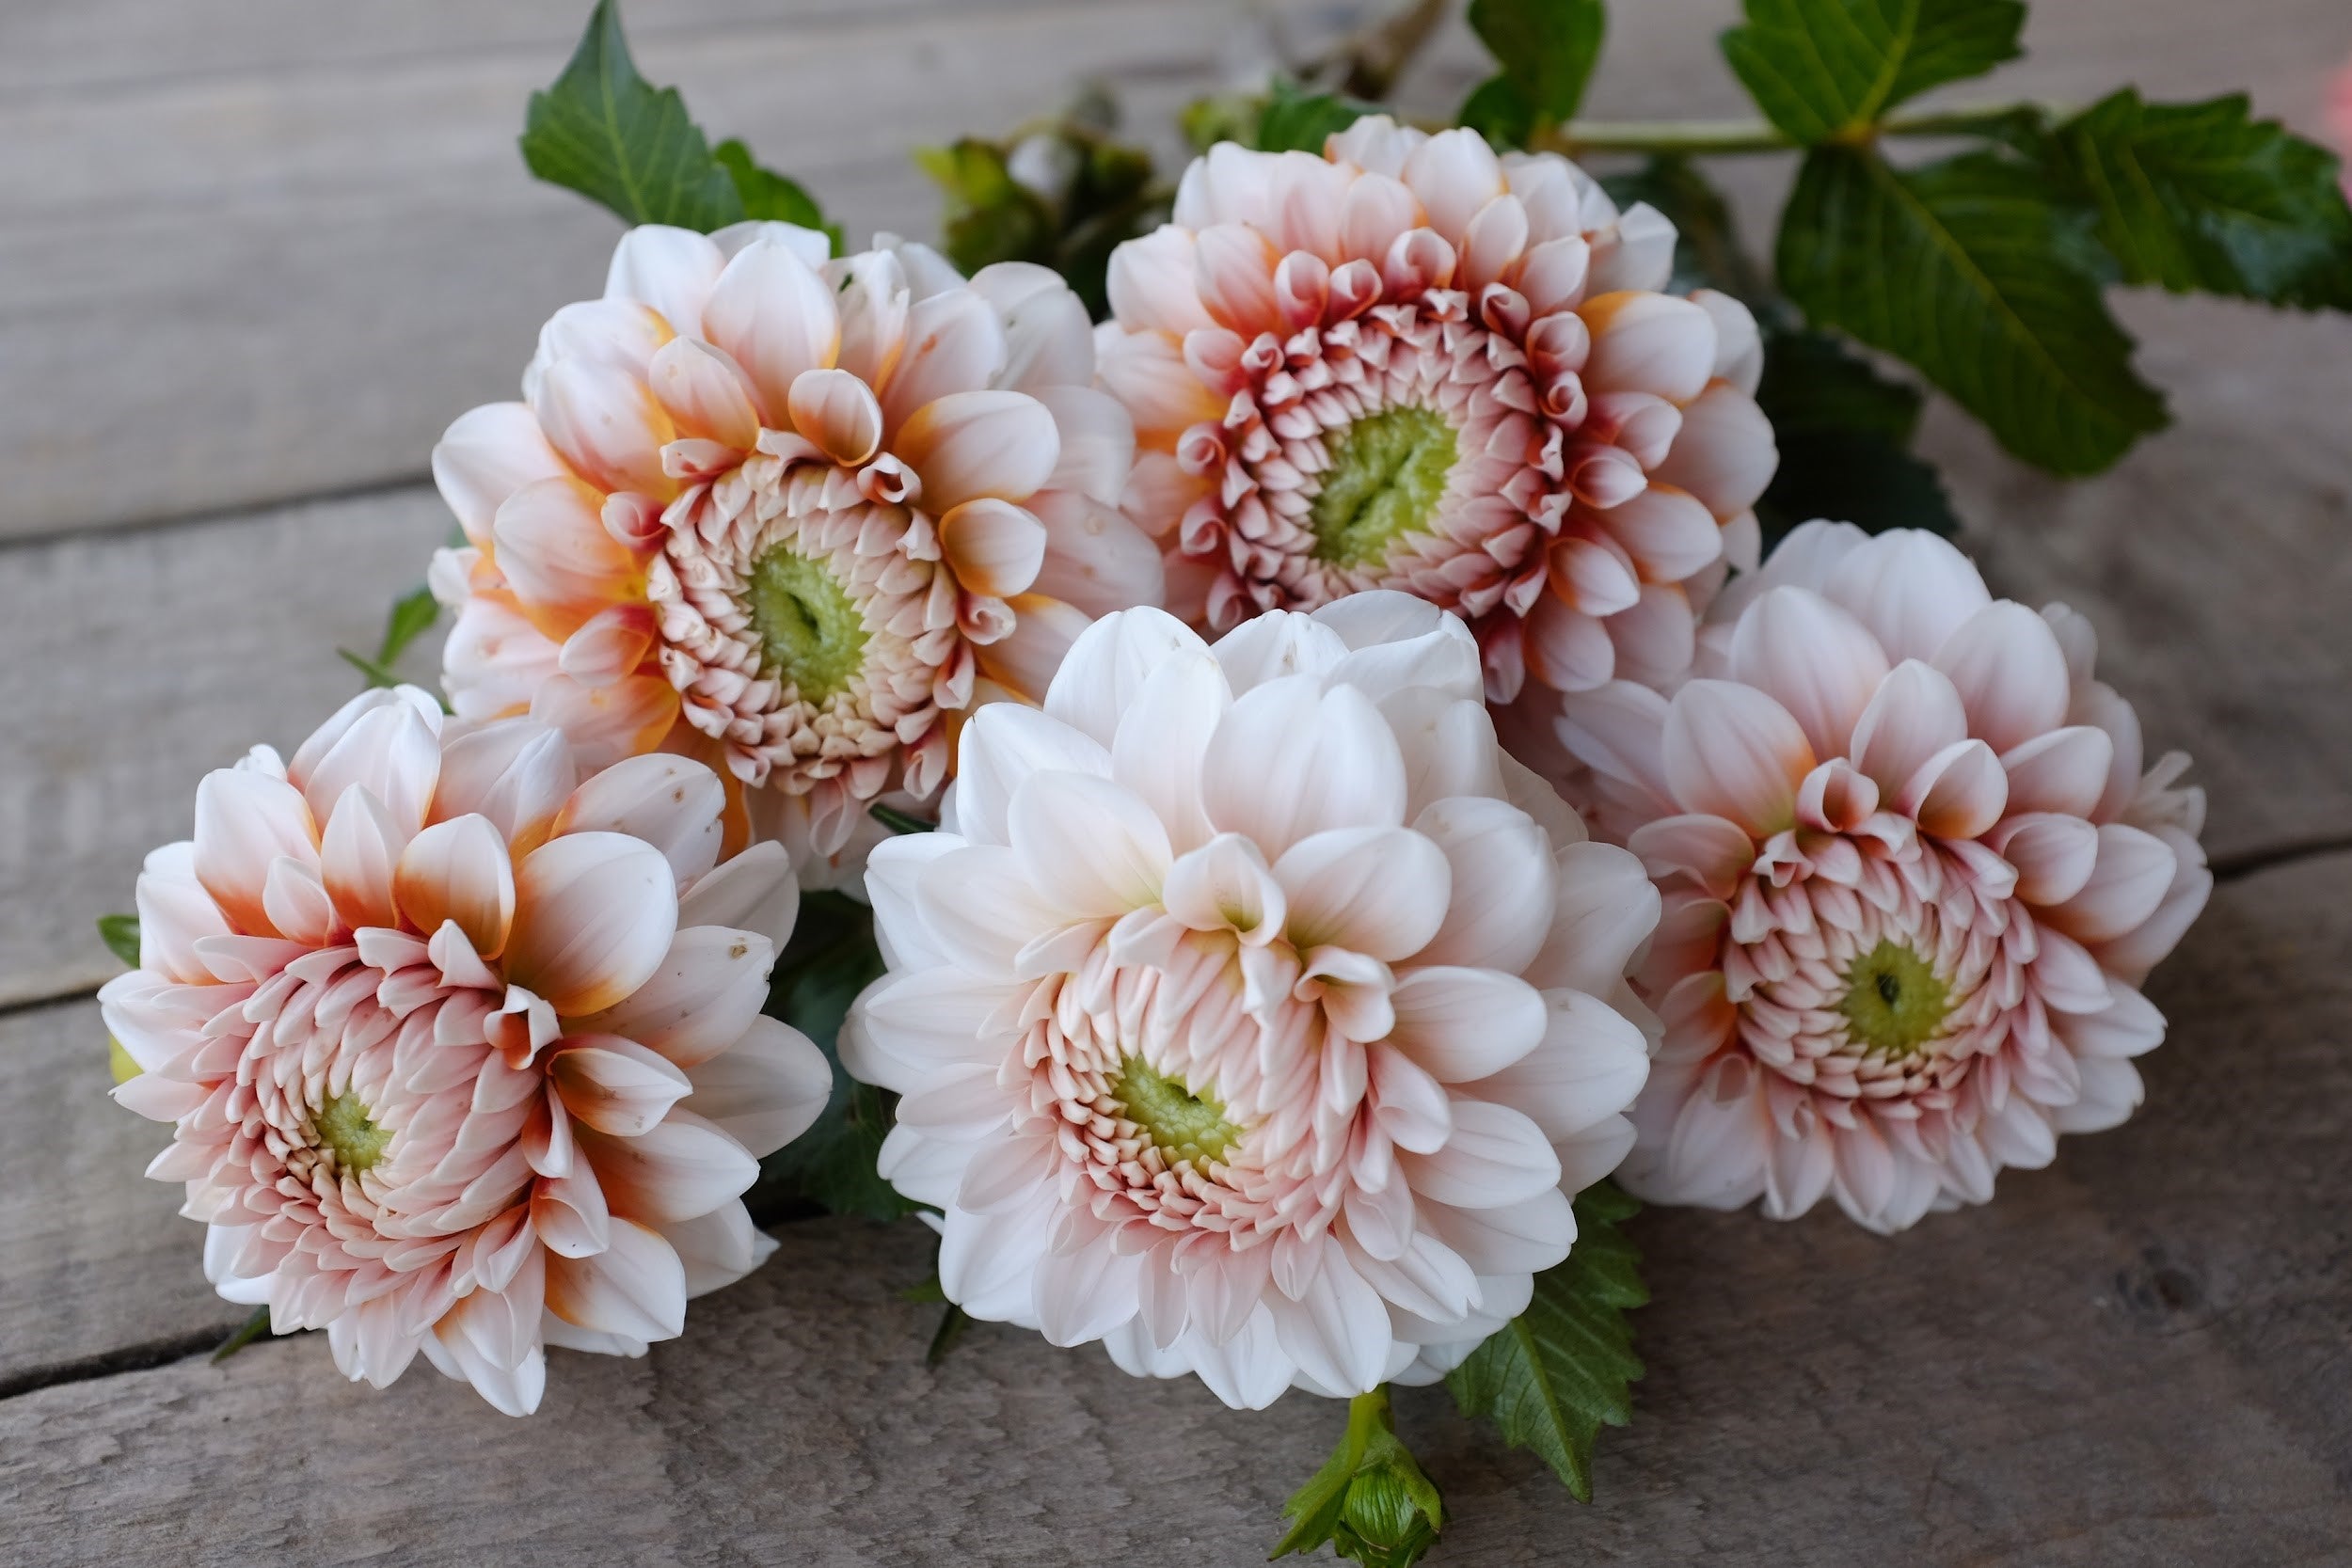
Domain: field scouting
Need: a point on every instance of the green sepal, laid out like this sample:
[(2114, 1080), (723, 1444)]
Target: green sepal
[(2203, 198), (120, 933), (1371, 1502), (1828, 70), (1557, 1373), (1970, 271)]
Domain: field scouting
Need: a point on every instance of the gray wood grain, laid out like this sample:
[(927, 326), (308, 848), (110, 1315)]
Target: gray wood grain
[(2133, 1358), (264, 280), (137, 662), (98, 1259)]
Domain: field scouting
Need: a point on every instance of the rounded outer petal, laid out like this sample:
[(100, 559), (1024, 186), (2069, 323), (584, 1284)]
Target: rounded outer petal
[(968, 444), (766, 1090), (594, 914), (459, 870), (672, 803), (773, 314), (487, 455), (1730, 751)]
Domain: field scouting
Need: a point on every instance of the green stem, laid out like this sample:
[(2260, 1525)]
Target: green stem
[(1714, 136), (1367, 1414)]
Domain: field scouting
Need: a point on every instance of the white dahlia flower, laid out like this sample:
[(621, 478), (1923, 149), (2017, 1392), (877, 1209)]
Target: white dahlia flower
[(789, 514), (1913, 874), (1411, 364), (463, 1055), (1253, 1013)]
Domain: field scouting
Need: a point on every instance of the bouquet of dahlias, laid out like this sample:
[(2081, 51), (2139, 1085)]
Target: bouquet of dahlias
[(1267, 752)]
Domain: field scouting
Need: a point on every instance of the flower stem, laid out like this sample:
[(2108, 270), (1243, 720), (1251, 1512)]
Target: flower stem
[(1705, 137)]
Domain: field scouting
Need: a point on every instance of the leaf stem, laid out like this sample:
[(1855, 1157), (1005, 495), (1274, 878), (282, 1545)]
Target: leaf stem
[(1729, 136)]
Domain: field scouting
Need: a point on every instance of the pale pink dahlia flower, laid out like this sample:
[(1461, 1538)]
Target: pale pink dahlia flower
[(1254, 1014), (463, 1055), (790, 514), (1913, 877), (1413, 364)]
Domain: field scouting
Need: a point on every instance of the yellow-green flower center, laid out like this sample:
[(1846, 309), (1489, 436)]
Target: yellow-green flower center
[(1893, 1002), (1182, 1124), (811, 636), (342, 1125), (1388, 473)]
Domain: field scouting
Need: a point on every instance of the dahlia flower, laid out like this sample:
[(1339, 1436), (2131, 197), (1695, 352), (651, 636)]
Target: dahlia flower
[(1914, 875), (1411, 364), (789, 514), (463, 1055), (1252, 1012)]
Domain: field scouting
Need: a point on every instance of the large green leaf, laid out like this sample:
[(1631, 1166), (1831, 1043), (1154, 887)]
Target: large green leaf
[(1827, 68), (1970, 271), (607, 133), (1564, 1368), (2202, 196), (1546, 50)]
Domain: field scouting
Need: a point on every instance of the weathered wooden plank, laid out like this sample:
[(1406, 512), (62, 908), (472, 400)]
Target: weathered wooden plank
[(98, 1258), (2208, 560), (2136, 1357), (251, 284), (140, 660)]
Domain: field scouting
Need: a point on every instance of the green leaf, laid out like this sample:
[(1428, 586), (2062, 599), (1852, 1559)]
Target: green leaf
[(831, 959), (1495, 111), (769, 196), (120, 933), (1844, 433), (1561, 1370), (1823, 69), (412, 615), (1968, 270), (2202, 196), (1371, 1500), (1296, 121), (604, 130), (1546, 49)]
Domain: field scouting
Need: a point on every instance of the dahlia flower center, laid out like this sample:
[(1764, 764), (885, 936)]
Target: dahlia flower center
[(345, 1128), (811, 634), (1183, 1126), (1388, 473), (1895, 1002)]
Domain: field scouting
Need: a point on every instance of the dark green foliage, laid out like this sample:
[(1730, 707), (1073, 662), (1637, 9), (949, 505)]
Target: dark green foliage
[(2202, 197), (1970, 270), (1564, 1368), (1824, 70)]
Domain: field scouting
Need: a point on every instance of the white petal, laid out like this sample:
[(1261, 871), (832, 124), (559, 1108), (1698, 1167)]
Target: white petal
[(636, 1288), (1290, 759), (1505, 886), (1089, 848), (679, 1168), (594, 916), (766, 1089), (1381, 891), (672, 803), (1461, 1025)]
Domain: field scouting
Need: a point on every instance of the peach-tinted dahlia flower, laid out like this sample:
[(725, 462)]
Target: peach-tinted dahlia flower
[(1913, 874), (462, 1054), (790, 514), (1254, 1014), (1411, 364)]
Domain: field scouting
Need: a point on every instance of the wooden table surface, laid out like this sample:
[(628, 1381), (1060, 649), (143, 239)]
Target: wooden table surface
[(254, 253)]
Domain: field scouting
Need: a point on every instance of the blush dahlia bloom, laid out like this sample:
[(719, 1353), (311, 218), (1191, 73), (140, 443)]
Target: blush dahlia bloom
[(1914, 874), (1410, 364), (790, 514), (461, 1057), (1254, 1014)]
